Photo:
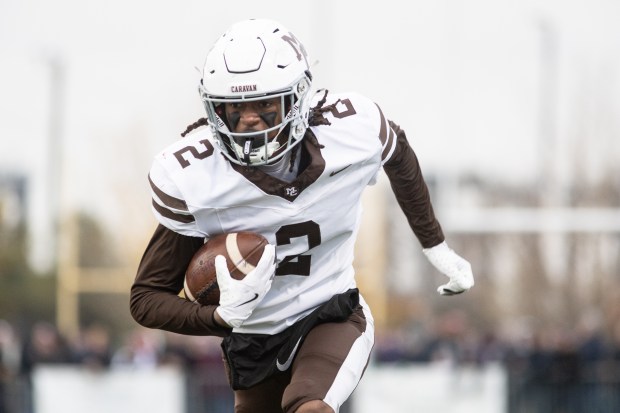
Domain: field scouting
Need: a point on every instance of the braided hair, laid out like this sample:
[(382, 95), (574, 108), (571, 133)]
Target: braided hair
[(200, 122), (316, 117)]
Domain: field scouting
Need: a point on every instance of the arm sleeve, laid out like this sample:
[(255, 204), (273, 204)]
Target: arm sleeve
[(154, 300), (407, 182)]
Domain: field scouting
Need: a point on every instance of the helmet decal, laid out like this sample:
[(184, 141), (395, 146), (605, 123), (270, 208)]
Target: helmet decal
[(299, 48)]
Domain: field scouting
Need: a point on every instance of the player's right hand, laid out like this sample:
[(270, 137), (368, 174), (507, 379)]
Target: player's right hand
[(239, 298)]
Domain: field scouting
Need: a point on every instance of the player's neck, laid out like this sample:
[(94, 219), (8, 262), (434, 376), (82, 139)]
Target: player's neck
[(281, 169)]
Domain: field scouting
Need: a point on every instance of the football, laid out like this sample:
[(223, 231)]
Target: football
[(242, 251)]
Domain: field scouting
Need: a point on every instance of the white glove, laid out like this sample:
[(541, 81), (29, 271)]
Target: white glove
[(455, 267), (239, 298)]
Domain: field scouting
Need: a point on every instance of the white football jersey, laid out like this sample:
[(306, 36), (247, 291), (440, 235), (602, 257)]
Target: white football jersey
[(313, 221)]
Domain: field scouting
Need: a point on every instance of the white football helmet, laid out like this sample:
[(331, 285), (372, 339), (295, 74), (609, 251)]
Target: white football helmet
[(254, 60)]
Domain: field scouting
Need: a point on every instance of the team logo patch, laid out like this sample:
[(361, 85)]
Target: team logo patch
[(291, 191)]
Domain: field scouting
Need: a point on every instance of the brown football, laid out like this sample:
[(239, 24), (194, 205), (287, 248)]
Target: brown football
[(242, 251)]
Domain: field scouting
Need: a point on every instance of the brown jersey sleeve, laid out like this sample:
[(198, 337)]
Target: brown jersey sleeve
[(405, 175), (154, 300)]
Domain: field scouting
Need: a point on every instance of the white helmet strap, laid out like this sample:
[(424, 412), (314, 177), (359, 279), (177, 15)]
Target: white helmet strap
[(256, 155)]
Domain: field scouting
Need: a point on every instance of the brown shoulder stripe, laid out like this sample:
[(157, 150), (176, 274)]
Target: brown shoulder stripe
[(186, 219), (388, 146), (386, 135), (168, 200), (383, 132)]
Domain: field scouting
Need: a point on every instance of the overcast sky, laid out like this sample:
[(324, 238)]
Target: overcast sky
[(498, 88)]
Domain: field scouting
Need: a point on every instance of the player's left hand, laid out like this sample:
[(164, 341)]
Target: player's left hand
[(451, 264)]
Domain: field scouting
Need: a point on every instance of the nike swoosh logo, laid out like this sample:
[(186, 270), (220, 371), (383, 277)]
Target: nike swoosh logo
[(284, 366), (249, 301), (339, 170)]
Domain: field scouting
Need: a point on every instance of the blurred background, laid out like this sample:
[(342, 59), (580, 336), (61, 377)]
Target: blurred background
[(511, 106)]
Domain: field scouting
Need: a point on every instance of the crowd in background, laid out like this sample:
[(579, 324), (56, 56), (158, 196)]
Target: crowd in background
[(565, 359), (550, 369), (94, 348)]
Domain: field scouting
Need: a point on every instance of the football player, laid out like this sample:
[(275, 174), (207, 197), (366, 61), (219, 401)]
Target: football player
[(277, 158)]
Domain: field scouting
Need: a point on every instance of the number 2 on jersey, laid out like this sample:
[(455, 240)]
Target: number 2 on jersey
[(297, 264)]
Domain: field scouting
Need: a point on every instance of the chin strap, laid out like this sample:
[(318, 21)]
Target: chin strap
[(258, 155), (247, 150)]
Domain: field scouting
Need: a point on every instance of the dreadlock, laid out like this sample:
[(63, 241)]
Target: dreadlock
[(200, 122), (316, 117), (291, 164)]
